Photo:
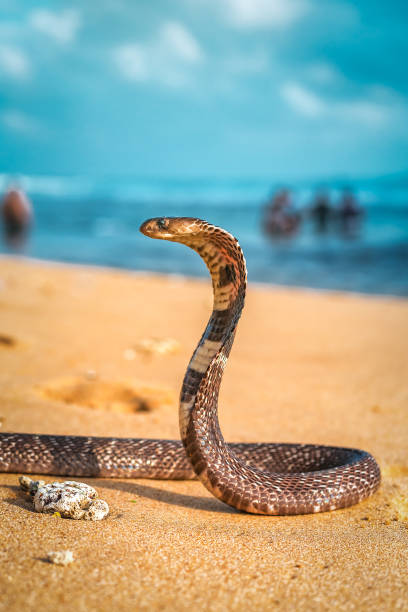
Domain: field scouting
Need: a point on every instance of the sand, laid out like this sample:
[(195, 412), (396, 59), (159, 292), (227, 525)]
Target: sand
[(80, 354)]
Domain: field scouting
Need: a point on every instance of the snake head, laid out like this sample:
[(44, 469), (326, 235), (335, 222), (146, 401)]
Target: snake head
[(177, 229)]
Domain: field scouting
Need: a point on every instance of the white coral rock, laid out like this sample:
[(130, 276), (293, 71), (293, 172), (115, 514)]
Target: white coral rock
[(61, 557), (71, 499)]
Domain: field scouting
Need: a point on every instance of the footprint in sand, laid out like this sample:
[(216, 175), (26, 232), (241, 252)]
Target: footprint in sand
[(118, 397), (7, 341)]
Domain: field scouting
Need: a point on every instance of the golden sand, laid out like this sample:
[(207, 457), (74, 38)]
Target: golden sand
[(328, 368)]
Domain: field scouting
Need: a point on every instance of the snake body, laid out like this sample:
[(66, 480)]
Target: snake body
[(261, 478)]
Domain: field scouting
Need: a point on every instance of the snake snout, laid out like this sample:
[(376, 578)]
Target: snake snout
[(154, 228), (168, 228)]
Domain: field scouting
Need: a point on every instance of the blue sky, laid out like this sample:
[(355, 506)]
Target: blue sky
[(215, 88)]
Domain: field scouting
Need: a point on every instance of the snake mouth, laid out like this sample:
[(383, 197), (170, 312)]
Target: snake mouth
[(155, 228)]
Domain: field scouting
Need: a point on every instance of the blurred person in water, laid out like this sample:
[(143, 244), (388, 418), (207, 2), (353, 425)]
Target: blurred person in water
[(350, 214), (16, 216), (321, 211), (279, 218)]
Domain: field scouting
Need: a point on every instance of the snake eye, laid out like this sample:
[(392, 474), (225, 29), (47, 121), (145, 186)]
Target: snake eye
[(162, 223)]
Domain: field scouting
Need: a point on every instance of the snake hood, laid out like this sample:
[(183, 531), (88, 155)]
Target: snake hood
[(219, 250)]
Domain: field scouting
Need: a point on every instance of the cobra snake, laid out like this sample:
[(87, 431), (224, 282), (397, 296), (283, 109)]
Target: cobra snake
[(260, 478)]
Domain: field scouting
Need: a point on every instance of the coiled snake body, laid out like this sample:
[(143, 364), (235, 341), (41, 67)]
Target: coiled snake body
[(260, 478)]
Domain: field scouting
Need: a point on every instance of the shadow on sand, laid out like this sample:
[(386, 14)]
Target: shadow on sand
[(206, 504)]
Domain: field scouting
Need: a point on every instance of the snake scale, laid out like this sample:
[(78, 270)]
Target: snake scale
[(261, 478)]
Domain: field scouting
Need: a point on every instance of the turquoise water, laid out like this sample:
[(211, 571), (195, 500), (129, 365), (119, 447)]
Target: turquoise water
[(96, 222)]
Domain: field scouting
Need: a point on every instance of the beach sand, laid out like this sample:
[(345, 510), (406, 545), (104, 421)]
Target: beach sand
[(82, 352)]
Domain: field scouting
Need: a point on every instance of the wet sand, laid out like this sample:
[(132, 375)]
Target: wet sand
[(82, 351)]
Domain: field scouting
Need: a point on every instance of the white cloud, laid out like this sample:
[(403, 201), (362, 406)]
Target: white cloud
[(132, 62), (178, 40), (260, 14), (17, 121), (375, 108), (14, 62), (166, 58), (62, 27), (302, 100)]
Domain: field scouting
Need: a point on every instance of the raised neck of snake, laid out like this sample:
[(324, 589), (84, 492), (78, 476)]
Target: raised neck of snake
[(223, 256)]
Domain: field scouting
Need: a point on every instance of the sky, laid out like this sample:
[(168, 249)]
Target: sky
[(204, 88)]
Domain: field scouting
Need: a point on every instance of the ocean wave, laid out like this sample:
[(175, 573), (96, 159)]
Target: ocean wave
[(228, 193)]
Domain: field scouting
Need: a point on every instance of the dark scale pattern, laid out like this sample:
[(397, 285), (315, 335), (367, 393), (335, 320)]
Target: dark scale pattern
[(263, 478)]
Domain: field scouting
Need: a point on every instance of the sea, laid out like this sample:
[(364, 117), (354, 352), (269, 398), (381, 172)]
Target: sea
[(95, 221)]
